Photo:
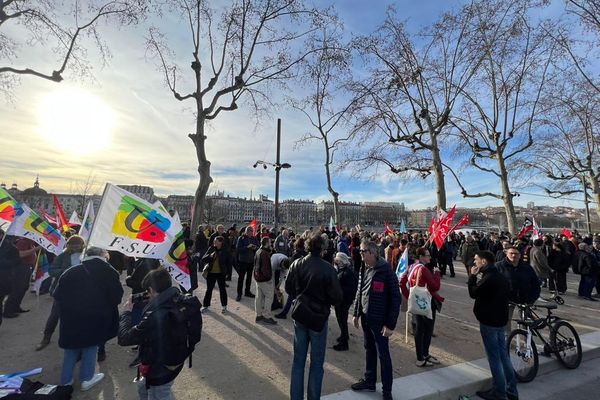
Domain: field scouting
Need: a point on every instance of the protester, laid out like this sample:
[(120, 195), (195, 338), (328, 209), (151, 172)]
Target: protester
[(348, 284), (588, 268), (163, 335), (539, 261), (9, 260), (282, 243), (523, 282), (69, 257), (316, 280), (246, 247), (559, 262), (216, 261), (299, 252), (467, 252), (491, 294), (419, 275), (263, 275), (376, 309), (21, 277), (88, 296)]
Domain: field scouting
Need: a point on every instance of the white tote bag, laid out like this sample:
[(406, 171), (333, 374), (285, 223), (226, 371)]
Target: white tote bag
[(419, 299)]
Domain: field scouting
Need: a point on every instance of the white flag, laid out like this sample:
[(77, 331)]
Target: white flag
[(74, 220), (132, 226), (29, 225), (8, 209), (88, 221), (176, 260)]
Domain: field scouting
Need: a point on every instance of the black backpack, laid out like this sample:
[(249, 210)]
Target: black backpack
[(185, 329)]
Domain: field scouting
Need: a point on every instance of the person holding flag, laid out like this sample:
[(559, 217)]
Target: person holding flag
[(69, 257)]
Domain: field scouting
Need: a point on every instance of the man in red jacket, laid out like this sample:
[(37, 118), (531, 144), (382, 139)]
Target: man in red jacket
[(265, 289)]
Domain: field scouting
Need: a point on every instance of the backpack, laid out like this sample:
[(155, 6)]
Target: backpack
[(185, 329)]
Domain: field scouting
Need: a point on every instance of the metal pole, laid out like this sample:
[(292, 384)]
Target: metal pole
[(587, 207), (277, 168)]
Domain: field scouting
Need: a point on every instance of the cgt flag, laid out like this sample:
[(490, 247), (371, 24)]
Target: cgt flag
[(60, 215), (252, 225), (132, 226), (527, 227), (30, 225), (8, 209)]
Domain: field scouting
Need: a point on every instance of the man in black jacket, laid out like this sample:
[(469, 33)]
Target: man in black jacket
[(523, 281), (491, 293), (316, 279), (151, 337), (377, 306), (9, 260), (348, 284)]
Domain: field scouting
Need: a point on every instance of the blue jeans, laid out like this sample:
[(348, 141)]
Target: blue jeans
[(503, 377), (87, 367), (162, 392), (318, 342), (377, 345), (586, 285)]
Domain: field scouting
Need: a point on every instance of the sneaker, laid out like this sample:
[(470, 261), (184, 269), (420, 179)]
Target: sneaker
[(423, 363), (224, 310), (341, 347), (42, 345), (87, 385), (432, 360), (269, 321), (363, 386), (249, 294), (204, 309), (259, 318), (281, 316)]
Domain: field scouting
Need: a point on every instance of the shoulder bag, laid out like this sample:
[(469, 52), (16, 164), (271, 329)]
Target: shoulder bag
[(419, 299)]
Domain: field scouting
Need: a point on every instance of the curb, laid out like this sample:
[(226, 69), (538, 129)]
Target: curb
[(449, 383)]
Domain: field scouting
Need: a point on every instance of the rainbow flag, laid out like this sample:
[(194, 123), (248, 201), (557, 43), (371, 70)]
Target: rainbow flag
[(40, 272), (8, 209)]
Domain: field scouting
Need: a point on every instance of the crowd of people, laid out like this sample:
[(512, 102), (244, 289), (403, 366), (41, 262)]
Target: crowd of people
[(352, 271)]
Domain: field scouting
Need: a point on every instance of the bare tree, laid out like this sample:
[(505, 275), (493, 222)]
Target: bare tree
[(237, 50), (500, 108), (329, 102), (45, 23), (413, 86), (573, 126)]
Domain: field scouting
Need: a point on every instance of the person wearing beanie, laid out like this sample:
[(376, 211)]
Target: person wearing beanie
[(348, 283)]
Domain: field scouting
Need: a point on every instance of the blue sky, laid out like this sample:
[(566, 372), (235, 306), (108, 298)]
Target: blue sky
[(149, 144)]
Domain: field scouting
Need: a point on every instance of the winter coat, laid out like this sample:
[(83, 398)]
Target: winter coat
[(586, 264), (539, 262), (559, 260), (61, 263), (348, 284), (224, 259), (491, 294), (263, 272), (88, 296), (523, 281), (467, 253), (142, 267), (342, 246), (149, 334), (427, 279), (378, 296), (244, 253)]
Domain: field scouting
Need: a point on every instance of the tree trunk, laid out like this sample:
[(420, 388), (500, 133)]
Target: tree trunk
[(438, 171), (595, 185), (204, 174), (334, 194), (506, 195)]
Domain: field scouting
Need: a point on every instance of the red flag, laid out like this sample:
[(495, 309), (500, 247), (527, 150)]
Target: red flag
[(388, 231), (442, 228), (566, 232), (253, 226), (463, 221), (60, 215), (527, 227)]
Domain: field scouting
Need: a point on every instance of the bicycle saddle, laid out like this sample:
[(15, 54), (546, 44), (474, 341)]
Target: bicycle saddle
[(548, 306)]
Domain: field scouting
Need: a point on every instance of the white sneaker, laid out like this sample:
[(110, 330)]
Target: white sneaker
[(224, 310), (87, 385)]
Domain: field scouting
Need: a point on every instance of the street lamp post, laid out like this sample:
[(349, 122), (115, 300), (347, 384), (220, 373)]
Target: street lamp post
[(277, 165)]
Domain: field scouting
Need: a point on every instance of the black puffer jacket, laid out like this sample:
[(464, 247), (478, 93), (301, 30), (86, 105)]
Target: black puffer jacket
[(523, 281), (150, 335), (317, 279), (348, 283), (586, 263)]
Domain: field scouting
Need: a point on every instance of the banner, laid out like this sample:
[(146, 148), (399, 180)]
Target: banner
[(441, 228), (402, 264), (88, 221), (132, 226), (29, 225), (8, 209)]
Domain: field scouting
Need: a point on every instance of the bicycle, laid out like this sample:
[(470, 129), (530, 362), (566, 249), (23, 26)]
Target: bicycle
[(563, 341)]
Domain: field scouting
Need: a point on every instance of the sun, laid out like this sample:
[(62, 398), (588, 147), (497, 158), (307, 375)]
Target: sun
[(75, 121)]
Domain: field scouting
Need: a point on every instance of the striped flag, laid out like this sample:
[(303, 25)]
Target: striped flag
[(40, 272)]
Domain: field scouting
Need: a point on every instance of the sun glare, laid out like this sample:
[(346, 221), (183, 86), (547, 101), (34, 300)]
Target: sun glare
[(75, 121)]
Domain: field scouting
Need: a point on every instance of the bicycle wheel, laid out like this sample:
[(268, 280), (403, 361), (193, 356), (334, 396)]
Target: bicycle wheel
[(566, 344), (523, 355)]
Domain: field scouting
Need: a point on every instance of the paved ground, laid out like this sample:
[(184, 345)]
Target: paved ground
[(238, 358)]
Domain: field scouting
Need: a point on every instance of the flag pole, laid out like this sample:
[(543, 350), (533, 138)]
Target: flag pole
[(87, 243), (406, 328)]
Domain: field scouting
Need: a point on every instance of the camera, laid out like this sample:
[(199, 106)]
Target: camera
[(140, 298)]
